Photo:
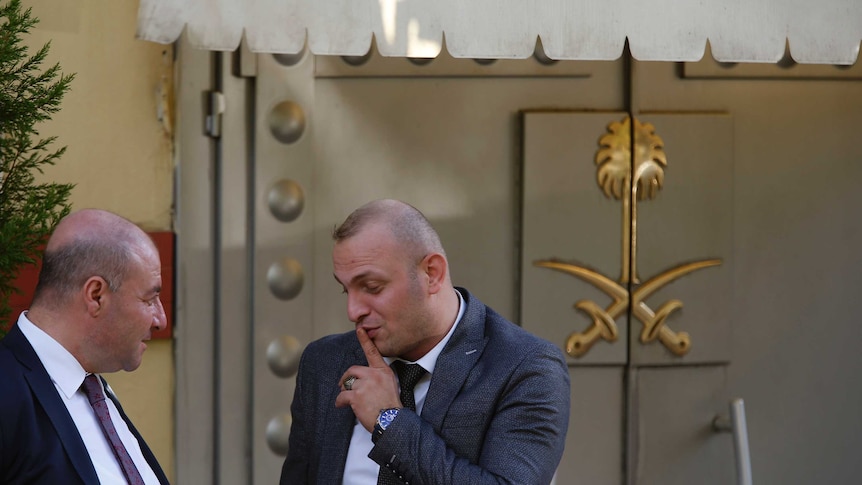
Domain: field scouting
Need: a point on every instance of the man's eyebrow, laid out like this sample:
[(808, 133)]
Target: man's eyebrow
[(361, 276)]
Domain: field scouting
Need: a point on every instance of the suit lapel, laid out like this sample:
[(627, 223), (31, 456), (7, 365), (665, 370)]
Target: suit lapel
[(339, 421), (455, 362), (45, 392)]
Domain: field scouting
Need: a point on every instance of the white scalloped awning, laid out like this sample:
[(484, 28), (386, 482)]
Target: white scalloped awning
[(816, 31)]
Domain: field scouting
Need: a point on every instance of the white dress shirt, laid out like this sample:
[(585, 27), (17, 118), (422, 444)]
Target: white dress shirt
[(361, 470), (67, 375)]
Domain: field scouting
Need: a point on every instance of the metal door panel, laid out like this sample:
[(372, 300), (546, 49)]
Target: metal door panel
[(450, 147), (797, 261), (283, 269), (676, 443), (689, 220), (594, 443), (566, 216), (234, 394), (195, 306)]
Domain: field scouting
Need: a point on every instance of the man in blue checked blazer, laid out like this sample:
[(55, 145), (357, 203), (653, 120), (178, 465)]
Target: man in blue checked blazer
[(96, 303), (491, 404)]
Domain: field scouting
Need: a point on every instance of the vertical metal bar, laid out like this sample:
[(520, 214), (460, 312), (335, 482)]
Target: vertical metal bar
[(251, 197), (631, 424), (216, 288), (736, 424), (740, 442), (234, 284), (193, 347)]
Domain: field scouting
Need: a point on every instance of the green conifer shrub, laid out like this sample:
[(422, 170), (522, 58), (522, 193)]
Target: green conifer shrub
[(29, 211)]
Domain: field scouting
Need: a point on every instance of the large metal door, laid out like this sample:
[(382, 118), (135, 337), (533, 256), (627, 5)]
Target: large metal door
[(297, 142), (293, 143), (444, 136), (626, 264)]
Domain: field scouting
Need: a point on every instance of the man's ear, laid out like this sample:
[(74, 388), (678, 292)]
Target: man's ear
[(435, 268), (95, 295)]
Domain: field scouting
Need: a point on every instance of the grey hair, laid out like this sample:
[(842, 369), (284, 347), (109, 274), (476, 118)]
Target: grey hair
[(67, 268)]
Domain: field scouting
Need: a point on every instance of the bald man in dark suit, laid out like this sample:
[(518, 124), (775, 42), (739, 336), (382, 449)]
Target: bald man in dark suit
[(96, 304)]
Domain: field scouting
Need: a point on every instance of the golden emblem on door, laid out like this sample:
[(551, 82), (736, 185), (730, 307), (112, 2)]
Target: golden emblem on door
[(629, 179)]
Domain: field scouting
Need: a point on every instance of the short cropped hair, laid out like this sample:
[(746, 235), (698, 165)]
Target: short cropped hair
[(67, 268), (409, 226)]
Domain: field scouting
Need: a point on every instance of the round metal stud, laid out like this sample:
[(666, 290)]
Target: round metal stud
[(282, 355), (286, 122), (278, 434), (285, 278), (289, 60), (286, 200)]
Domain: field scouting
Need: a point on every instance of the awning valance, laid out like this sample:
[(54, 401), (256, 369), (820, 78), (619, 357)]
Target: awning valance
[(816, 31)]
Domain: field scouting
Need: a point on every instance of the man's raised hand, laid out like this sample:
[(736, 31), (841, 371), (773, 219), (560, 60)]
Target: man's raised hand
[(374, 388)]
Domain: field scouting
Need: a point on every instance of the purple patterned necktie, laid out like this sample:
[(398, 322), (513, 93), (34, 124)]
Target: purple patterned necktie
[(93, 389)]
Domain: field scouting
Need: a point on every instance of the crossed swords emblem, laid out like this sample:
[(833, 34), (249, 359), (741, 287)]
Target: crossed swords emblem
[(615, 172)]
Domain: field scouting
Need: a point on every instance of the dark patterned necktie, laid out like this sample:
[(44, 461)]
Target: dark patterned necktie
[(408, 376), (93, 389)]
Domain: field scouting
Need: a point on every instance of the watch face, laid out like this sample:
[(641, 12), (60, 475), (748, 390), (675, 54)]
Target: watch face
[(386, 417)]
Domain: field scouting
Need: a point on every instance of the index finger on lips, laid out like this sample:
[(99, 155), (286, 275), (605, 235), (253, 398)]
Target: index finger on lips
[(371, 353)]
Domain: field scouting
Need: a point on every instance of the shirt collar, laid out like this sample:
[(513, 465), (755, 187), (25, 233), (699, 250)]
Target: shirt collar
[(429, 360), (65, 371)]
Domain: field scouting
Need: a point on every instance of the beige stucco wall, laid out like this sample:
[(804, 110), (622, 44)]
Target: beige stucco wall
[(119, 155)]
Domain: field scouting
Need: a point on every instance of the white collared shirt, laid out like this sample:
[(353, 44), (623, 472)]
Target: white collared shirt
[(361, 470), (67, 375)]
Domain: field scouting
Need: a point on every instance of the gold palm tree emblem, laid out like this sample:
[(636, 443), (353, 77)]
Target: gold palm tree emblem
[(615, 172), (617, 168)]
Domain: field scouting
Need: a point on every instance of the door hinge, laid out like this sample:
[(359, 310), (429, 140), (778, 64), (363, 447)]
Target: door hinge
[(214, 111)]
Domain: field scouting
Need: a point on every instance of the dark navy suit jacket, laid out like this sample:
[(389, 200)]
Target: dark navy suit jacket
[(39, 443), (497, 410)]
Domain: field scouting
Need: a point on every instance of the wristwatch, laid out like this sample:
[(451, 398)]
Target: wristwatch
[(384, 419)]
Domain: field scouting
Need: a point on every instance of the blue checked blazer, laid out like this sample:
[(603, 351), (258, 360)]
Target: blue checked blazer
[(497, 410), (39, 442)]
